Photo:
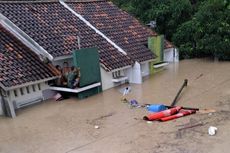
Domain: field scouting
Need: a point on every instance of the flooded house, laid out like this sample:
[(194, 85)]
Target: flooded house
[(50, 31), (23, 74)]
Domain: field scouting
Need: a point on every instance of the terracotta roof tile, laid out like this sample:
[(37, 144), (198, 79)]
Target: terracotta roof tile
[(56, 29), (168, 44), (123, 29), (19, 64)]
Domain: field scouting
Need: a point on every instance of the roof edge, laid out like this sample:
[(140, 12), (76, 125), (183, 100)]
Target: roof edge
[(27, 84), (24, 38)]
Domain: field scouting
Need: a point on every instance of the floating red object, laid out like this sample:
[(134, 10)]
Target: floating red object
[(178, 115), (162, 114)]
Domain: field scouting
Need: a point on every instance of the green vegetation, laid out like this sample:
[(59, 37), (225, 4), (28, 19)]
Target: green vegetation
[(197, 27)]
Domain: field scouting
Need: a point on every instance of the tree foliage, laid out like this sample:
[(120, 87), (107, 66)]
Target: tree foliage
[(197, 27)]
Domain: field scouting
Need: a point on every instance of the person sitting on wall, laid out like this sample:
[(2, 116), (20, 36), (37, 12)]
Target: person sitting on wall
[(61, 81), (65, 72), (74, 78), (58, 67), (66, 69), (58, 81)]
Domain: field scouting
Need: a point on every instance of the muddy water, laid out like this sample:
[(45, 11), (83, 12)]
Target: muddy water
[(69, 126)]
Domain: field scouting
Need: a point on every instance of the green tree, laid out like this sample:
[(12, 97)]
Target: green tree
[(197, 27), (169, 14), (207, 34), (213, 35)]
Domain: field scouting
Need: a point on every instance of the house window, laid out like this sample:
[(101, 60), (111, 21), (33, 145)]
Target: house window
[(116, 74), (28, 90), (39, 87), (33, 86), (15, 93), (21, 90), (3, 92)]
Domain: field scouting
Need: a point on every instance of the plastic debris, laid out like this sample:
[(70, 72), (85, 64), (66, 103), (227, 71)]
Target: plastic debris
[(210, 114), (159, 115), (212, 130), (149, 122), (156, 108), (124, 100), (134, 103), (181, 113), (96, 127), (58, 97)]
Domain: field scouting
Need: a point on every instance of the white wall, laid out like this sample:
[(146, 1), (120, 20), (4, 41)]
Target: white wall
[(27, 97), (171, 55), (134, 74), (106, 79), (145, 69), (48, 94)]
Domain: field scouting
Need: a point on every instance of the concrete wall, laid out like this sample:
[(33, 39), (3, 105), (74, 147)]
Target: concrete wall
[(23, 96), (171, 55), (156, 45), (145, 70), (135, 74), (106, 79)]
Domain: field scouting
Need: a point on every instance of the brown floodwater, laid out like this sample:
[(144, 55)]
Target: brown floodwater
[(69, 126)]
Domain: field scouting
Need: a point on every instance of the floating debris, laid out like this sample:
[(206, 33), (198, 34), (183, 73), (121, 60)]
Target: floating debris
[(212, 130)]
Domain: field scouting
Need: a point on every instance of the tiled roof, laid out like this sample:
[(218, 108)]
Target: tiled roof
[(28, 1), (56, 29), (20, 65), (168, 44), (123, 29)]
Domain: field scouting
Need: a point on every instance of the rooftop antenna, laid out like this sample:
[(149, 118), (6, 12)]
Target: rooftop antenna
[(152, 24)]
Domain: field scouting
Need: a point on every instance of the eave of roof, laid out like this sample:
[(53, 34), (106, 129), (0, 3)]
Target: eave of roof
[(27, 84)]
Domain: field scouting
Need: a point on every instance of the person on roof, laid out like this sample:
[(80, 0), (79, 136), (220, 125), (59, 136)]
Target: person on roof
[(65, 72), (66, 69), (61, 81), (73, 78), (58, 81)]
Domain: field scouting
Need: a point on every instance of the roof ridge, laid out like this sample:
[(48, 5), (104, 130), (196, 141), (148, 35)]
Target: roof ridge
[(93, 27), (85, 1)]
